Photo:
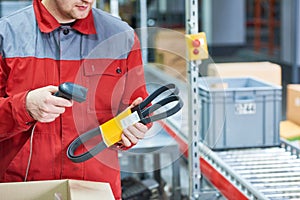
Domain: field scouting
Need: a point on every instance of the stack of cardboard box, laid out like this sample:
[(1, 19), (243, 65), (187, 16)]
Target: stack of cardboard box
[(266, 71), (170, 52), (290, 128)]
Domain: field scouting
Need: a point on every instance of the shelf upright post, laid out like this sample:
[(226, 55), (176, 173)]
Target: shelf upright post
[(192, 74), (114, 8), (144, 30)]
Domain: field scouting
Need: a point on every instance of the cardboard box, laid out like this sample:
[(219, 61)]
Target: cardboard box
[(170, 52), (56, 190), (293, 103), (266, 71), (289, 130)]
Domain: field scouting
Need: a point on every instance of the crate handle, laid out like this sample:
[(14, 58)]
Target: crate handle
[(244, 99)]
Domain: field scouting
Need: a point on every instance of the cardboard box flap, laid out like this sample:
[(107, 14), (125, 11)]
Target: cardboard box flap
[(293, 103), (289, 130), (261, 70), (89, 190), (33, 190), (56, 190)]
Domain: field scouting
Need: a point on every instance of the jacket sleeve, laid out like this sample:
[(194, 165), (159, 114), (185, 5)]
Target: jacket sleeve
[(14, 116)]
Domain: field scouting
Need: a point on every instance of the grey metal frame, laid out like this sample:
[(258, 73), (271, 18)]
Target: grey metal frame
[(194, 115)]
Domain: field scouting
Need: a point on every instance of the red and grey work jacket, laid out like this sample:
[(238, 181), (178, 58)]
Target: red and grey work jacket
[(99, 52)]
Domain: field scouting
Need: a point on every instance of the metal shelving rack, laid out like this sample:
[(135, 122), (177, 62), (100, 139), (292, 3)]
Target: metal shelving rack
[(193, 118), (255, 173), (237, 174)]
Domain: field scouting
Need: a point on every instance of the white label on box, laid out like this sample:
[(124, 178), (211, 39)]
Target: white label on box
[(245, 108), (297, 101)]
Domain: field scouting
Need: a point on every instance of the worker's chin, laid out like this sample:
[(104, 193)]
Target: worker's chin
[(80, 15)]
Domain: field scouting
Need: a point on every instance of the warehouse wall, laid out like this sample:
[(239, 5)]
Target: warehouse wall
[(290, 32), (224, 22)]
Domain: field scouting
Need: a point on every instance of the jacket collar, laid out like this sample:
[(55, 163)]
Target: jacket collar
[(47, 23)]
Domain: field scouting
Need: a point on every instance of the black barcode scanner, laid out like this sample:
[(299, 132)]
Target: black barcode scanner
[(72, 91)]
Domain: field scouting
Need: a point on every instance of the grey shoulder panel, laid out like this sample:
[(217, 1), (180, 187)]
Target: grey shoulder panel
[(22, 38)]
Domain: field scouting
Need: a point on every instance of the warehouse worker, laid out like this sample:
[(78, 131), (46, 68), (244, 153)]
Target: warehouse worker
[(42, 46)]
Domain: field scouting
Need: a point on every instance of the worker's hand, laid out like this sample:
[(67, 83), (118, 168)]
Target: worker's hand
[(132, 134), (45, 107)]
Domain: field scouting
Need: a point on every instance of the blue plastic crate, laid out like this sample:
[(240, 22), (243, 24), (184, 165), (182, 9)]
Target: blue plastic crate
[(239, 112)]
